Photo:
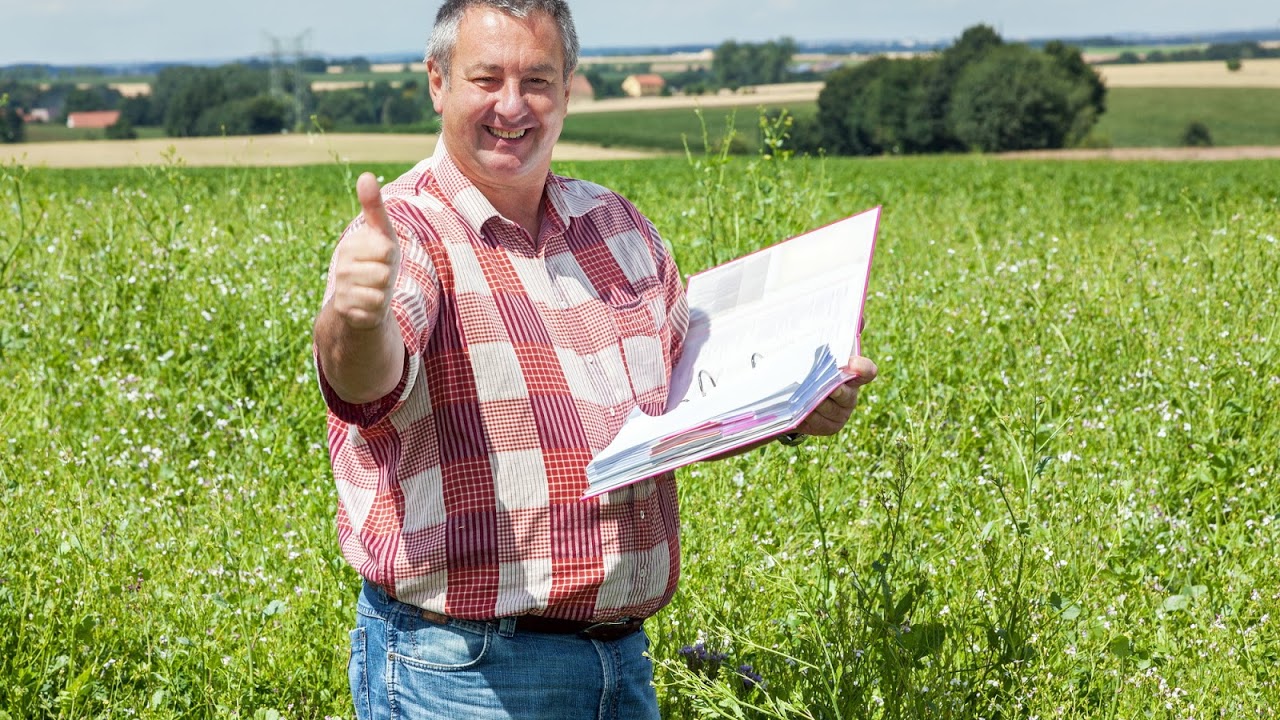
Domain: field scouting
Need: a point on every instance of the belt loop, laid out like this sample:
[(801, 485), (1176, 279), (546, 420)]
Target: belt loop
[(507, 627)]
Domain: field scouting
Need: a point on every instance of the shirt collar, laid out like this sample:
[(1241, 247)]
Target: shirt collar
[(567, 200)]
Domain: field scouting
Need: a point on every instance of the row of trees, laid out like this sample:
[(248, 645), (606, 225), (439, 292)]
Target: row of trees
[(1236, 51), (978, 94), (734, 64), (235, 99)]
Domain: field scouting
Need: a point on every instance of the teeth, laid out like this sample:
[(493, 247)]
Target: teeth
[(506, 135)]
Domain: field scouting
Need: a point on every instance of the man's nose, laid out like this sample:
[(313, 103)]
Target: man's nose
[(511, 100)]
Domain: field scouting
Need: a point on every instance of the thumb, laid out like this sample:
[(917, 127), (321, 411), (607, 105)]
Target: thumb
[(375, 212)]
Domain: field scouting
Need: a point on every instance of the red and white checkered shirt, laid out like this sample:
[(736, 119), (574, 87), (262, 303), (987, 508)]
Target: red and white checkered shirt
[(460, 491)]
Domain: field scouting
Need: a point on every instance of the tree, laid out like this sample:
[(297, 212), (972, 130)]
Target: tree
[(1088, 93), (259, 115), (121, 129), (735, 64), (94, 97), (1197, 135), (979, 94), (1014, 99), (344, 107), (878, 107), (196, 100), (12, 127), (140, 110)]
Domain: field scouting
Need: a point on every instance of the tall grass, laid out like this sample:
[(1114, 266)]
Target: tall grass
[(1055, 501)]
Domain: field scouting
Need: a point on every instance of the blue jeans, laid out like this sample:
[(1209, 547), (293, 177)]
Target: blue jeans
[(403, 666)]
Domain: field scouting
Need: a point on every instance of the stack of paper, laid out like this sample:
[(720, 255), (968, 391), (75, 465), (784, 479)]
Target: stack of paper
[(768, 337)]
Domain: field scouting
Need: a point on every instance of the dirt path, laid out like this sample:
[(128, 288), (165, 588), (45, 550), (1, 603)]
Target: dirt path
[(261, 150)]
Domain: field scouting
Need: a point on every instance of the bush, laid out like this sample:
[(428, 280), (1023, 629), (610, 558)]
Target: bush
[(1197, 135), (12, 127), (121, 129), (979, 94), (1234, 64), (1014, 99)]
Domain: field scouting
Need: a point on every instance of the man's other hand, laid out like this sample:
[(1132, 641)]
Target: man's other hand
[(833, 413)]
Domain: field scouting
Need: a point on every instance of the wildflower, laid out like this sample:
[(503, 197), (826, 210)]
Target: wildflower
[(701, 660), (750, 678)]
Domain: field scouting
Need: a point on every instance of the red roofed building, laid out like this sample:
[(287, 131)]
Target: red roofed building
[(581, 90), (96, 119), (643, 85)]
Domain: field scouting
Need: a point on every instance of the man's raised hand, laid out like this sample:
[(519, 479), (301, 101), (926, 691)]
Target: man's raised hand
[(367, 263)]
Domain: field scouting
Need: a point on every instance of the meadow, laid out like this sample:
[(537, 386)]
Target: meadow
[(1135, 117), (1054, 502), (1158, 117)]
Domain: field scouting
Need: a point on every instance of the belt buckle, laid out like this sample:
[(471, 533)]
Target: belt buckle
[(612, 630)]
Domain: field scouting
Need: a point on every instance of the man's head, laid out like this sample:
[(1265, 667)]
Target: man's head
[(499, 74), (444, 35)]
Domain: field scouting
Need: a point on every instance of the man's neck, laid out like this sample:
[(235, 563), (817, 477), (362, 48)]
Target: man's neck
[(523, 207)]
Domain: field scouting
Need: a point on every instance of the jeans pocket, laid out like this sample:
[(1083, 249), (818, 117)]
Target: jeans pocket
[(358, 673), (425, 645)]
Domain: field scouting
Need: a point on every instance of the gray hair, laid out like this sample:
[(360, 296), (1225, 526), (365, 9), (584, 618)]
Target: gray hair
[(444, 36)]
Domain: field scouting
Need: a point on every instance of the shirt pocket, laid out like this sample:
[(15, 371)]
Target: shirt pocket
[(642, 342)]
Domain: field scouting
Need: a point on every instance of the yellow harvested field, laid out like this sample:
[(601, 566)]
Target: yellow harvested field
[(260, 150), (783, 94), (1252, 74)]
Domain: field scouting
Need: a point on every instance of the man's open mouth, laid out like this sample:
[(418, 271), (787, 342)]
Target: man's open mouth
[(506, 134)]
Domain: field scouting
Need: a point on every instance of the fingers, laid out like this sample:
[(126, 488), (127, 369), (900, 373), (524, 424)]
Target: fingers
[(367, 263), (862, 369), (833, 413), (375, 212)]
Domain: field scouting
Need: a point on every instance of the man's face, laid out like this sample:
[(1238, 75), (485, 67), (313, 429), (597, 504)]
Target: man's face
[(504, 103)]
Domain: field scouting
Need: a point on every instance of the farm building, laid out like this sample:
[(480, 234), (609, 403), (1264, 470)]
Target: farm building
[(96, 119), (643, 85), (580, 90), (37, 115)]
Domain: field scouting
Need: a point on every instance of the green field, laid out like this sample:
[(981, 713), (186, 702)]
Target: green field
[(1157, 117), (668, 129), (1135, 117), (1055, 501), (54, 132)]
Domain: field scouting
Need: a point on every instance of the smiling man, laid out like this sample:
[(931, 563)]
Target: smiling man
[(487, 327)]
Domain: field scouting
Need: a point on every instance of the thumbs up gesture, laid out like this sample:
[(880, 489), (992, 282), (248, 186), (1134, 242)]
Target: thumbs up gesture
[(367, 263)]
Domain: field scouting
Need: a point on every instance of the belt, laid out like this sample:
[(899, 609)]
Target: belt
[(603, 631)]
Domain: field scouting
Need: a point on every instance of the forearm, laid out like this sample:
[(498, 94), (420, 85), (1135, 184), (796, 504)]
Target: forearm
[(361, 365)]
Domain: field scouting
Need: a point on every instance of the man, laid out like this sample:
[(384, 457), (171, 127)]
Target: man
[(487, 327)]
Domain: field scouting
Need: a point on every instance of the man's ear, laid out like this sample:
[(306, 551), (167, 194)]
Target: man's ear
[(435, 85)]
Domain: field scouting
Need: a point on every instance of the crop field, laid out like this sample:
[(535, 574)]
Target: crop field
[(1157, 117), (1056, 501), (1207, 74), (671, 129)]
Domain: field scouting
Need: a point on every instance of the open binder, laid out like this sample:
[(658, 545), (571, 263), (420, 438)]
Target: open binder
[(769, 336)]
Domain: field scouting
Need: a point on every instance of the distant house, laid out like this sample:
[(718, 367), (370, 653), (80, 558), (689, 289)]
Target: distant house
[(643, 85), (37, 115), (580, 90), (95, 119)]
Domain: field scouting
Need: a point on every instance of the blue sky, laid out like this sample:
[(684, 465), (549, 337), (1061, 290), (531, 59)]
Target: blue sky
[(104, 31)]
